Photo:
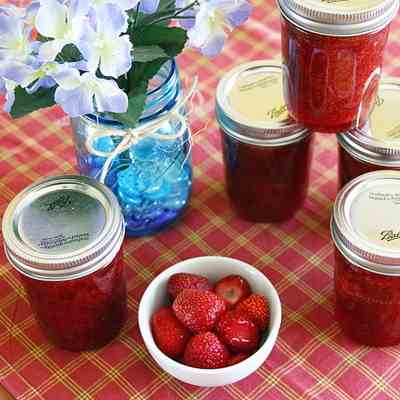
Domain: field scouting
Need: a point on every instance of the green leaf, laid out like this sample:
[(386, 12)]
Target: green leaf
[(149, 53), (69, 53), (26, 103), (136, 103), (166, 9), (171, 40), (145, 71)]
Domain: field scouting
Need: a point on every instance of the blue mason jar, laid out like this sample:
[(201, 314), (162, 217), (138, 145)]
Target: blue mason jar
[(152, 179)]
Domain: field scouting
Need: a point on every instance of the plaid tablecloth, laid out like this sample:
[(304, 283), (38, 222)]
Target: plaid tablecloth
[(311, 360)]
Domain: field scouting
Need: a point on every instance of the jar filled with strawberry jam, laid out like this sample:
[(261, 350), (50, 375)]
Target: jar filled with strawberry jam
[(376, 146), (366, 232), (332, 55), (266, 154), (63, 235)]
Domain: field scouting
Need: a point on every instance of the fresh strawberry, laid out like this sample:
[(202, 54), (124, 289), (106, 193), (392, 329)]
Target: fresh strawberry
[(238, 331), (237, 358), (180, 281), (205, 350), (169, 334), (233, 289), (257, 309), (198, 310)]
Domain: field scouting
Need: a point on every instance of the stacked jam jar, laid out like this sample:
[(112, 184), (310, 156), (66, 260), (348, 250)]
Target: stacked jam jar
[(329, 81)]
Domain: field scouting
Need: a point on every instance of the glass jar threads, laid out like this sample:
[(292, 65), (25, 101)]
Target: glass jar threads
[(152, 179), (365, 230), (64, 237), (266, 154), (332, 55), (377, 145)]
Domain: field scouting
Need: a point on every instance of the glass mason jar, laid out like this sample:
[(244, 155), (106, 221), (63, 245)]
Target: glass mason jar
[(266, 154), (153, 179), (63, 235), (365, 230), (376, 146), (332, 55)]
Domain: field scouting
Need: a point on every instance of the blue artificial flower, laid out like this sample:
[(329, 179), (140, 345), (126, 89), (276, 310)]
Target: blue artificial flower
[(64, 24), (105, 45), (88, 94), (215, 19), (15, 43), (7, 89)]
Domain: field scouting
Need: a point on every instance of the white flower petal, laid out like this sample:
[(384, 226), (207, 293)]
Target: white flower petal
[(215, 43), (79, 8), (16, 71), (12, 11), (116, 57), (75, 102), (109, 97), (111, 20), (78, 28), (10, 95), (51, 19), (67, 78), (48, 51)]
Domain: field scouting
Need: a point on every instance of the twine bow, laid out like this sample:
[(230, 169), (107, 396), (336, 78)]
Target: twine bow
[(132, 136)]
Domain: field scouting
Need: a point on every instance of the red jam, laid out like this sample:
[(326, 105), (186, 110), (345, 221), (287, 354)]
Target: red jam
[(367, 304), (84, 313), (64, 236), (365, 230), (266, 184), (331, 82)]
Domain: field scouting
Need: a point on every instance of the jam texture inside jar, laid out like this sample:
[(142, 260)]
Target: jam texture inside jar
[(367, 304), (266, 154), (375, 146), (349, 167), (332, 55), (64, 237), (266, 184), (365, 231)]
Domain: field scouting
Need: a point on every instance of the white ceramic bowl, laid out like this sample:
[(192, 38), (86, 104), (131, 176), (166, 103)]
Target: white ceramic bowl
[(214, 268)]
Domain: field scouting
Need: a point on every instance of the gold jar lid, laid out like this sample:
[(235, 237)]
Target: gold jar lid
[(250, 105), (366, 222)]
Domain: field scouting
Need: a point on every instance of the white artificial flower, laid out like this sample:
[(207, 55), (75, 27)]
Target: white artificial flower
[(88, 94), (105, 45), (215, 19), (15, 43), (63, 24)]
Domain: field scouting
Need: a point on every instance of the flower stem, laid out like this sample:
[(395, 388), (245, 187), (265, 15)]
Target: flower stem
[(177, 13)]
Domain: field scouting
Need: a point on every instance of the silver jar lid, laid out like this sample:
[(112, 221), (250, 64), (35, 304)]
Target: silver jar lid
[(251, 108), (339, 18), (63, 228), (378, 142), (366, 222)]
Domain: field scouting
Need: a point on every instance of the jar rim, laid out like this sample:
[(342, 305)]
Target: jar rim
[(245, 128), (369, 243), (369, 142), (332, 19), (44, 225)]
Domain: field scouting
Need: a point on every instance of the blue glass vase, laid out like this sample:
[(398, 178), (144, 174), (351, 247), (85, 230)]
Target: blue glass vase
[(153, 178)]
